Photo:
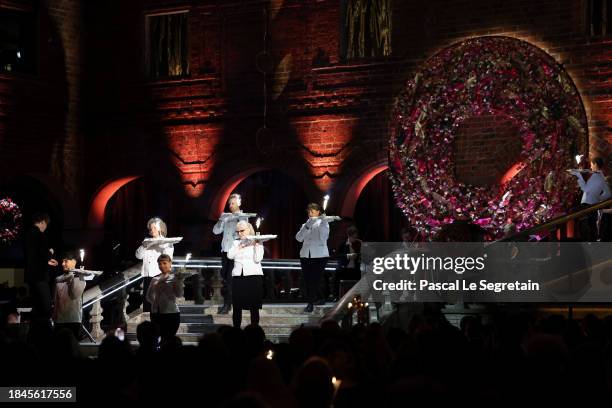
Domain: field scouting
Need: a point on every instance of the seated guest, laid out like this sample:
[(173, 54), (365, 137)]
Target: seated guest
[(349, 260), (68, 297), (162, 294)]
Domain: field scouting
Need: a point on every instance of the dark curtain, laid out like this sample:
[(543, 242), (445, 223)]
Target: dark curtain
[(282, 203), (127, 214), (168, 46), (376, 215), (367, 28)]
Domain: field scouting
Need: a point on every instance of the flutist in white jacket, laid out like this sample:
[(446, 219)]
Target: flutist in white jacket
[(247, 274), (314, 253), (595, 190), (227, 226), (149, 254)]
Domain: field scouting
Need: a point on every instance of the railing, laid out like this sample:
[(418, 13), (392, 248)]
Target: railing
[(378, 311), (120, 295), (558, 223)]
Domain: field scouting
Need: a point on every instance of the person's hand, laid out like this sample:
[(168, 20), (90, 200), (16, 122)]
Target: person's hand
[(52, 262), (311, 221)]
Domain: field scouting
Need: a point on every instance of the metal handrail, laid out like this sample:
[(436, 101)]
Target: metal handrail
[(548, 225), (132, 274), (341, 308)]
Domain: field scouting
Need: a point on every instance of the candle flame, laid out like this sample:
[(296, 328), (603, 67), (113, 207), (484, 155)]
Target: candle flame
[(325, 200)]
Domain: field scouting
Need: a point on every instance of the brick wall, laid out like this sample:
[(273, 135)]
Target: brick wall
[(485, 147), (326, 119), (39, 122)]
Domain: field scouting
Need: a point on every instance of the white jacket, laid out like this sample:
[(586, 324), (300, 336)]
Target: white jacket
[(596, 188), (313, 235), (227, 227), (149, 257), (247, 260)]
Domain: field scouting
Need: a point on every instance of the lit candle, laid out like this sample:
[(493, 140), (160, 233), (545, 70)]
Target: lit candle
[(82, 255), (187, 257), (336, 384), (325, 200), (270, 354), (257, 224), (578, 158)]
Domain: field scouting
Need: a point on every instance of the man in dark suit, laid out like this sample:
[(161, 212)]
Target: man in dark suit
[(38, 259), (349, 261)]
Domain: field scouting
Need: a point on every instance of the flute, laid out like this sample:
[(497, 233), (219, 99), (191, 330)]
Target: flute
[(260, 238), (230, 216), (329, 218), (85, 272), (162, 240)]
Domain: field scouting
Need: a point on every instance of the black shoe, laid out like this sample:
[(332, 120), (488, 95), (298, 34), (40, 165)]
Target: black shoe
[(320, 302), (309, 308), (225, 310)]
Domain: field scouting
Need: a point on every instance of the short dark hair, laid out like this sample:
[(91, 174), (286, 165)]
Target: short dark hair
[(598, 161), (352, 231), (314, 206), (164, 257), (40, 217), (69, 255)]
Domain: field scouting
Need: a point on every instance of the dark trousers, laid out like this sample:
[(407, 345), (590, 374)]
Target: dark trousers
[(588, 226), (605, 227), (74, 328), (146, 282), (227, 265), (168, 323), (237, 316), (41, 300), (312, 271)]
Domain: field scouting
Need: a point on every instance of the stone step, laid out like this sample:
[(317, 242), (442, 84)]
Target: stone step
[(277, 320), (194, 338), (199, 328), (285, 319), (297, 308), (196, 318)]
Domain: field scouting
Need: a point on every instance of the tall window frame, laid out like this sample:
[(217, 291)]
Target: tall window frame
[(366, 29), (598, 17), (167, 45)]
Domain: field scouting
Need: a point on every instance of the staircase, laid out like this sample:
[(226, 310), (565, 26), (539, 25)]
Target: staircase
[(277, 320)]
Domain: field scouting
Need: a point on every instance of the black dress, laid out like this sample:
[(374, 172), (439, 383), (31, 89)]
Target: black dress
[(247, 292)]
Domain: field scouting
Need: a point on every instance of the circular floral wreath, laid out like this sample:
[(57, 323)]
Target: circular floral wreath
[(10, 220), (498, 76)]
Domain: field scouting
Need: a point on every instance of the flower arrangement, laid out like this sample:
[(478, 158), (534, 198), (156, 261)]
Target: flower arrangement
[(498, 76), (10, 220)]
